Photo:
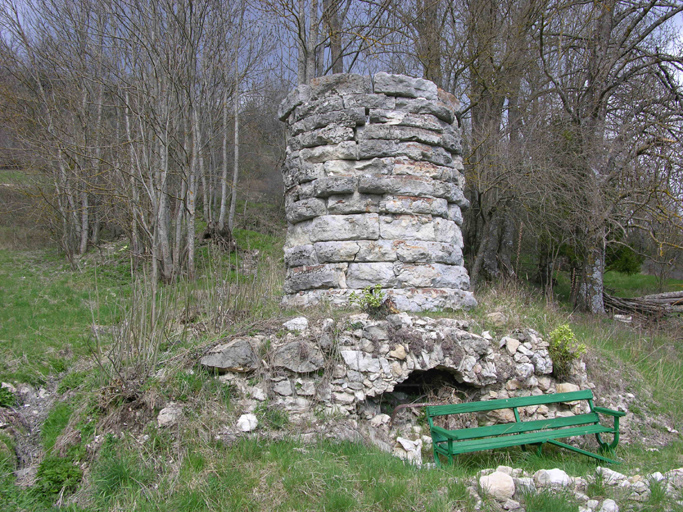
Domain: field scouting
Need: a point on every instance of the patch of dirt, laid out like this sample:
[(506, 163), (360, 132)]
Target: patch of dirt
[(24, 423)]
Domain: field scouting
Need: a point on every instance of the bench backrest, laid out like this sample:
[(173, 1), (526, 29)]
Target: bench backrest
[(507, 403)]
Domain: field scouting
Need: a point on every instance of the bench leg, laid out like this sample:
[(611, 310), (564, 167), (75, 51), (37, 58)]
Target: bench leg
[(437, 461), (584, 452), (608, 447)]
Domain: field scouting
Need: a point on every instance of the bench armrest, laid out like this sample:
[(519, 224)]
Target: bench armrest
[(610, 412), (448, 434)]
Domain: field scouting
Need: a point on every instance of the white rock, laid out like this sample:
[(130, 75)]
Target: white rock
[(169, 415), (511, 505), (499, 485), (247, 422), (609, 506), (566, 387), (511, 344), (258, 394), (552, 478), (9, 387), (656, 476), (610, 476), (409, 450), (299, 323), (592, 504)]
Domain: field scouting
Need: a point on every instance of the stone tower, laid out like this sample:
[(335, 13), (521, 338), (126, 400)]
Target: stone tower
[(374, 192)]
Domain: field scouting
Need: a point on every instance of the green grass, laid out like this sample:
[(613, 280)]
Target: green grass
[(285, 475), (636, 285)]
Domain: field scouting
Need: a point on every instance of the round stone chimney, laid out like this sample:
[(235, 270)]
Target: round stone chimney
[(374, 192)]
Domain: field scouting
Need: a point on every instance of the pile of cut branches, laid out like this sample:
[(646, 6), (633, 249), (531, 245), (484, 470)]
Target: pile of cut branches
[(661, 304)]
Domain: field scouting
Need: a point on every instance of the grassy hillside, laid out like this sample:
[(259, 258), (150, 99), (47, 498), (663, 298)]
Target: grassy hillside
[(104, 351)]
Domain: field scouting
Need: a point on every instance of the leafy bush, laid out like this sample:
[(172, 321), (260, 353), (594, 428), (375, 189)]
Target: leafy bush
[(372, 300), (564, 349)]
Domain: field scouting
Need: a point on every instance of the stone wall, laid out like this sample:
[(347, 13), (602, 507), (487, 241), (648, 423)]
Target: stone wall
[(373, 189), (347, 367)]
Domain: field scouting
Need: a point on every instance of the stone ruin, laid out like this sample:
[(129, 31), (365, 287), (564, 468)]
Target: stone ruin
[(359, 366), (374, 192)]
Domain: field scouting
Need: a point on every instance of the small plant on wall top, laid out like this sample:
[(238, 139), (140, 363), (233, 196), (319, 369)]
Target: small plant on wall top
[(373, 301), (564, 349)]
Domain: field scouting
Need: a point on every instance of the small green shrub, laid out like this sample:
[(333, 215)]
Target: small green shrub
[(564, 349), (57, 473), (7, 398), (372, 300)]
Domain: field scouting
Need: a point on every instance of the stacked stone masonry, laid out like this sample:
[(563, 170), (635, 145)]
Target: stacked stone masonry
[(374, 192)]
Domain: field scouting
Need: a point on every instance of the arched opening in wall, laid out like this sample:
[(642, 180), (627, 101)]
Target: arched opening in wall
[(435, 386)]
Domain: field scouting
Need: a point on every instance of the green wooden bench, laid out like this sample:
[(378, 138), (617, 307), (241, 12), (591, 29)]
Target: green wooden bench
[(521, 433)]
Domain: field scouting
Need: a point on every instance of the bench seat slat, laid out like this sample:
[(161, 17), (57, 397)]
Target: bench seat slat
[(519, 439), (517, 428), (508, 403)]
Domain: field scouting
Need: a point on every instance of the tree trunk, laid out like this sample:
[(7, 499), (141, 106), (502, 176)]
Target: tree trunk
[(236, 166), (224, 171)]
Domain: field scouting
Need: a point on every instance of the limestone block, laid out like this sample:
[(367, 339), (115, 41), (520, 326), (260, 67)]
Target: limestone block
[(376, 250), (361, 275), (399, 185), (296, 171), (419, 151), (450, 276), (401, 85), (300, 256), (355, 203), (422, 106), (318, 276), (298, 356), (338, 84), (298, 234), (298, 324), (295, 98), (448, 232), (415, 251), (406, 133), (406, 227), (325, 187), (345, 227), (455, 214), (352, 168), (328, 135), (415, 276), (331, 252), (305, 209), (368, 149), (320, 106), (406, 167), (360, 361), (411, 204), (235, 356), (398, 118), (372, 101), (350, 117), (347, 150)]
